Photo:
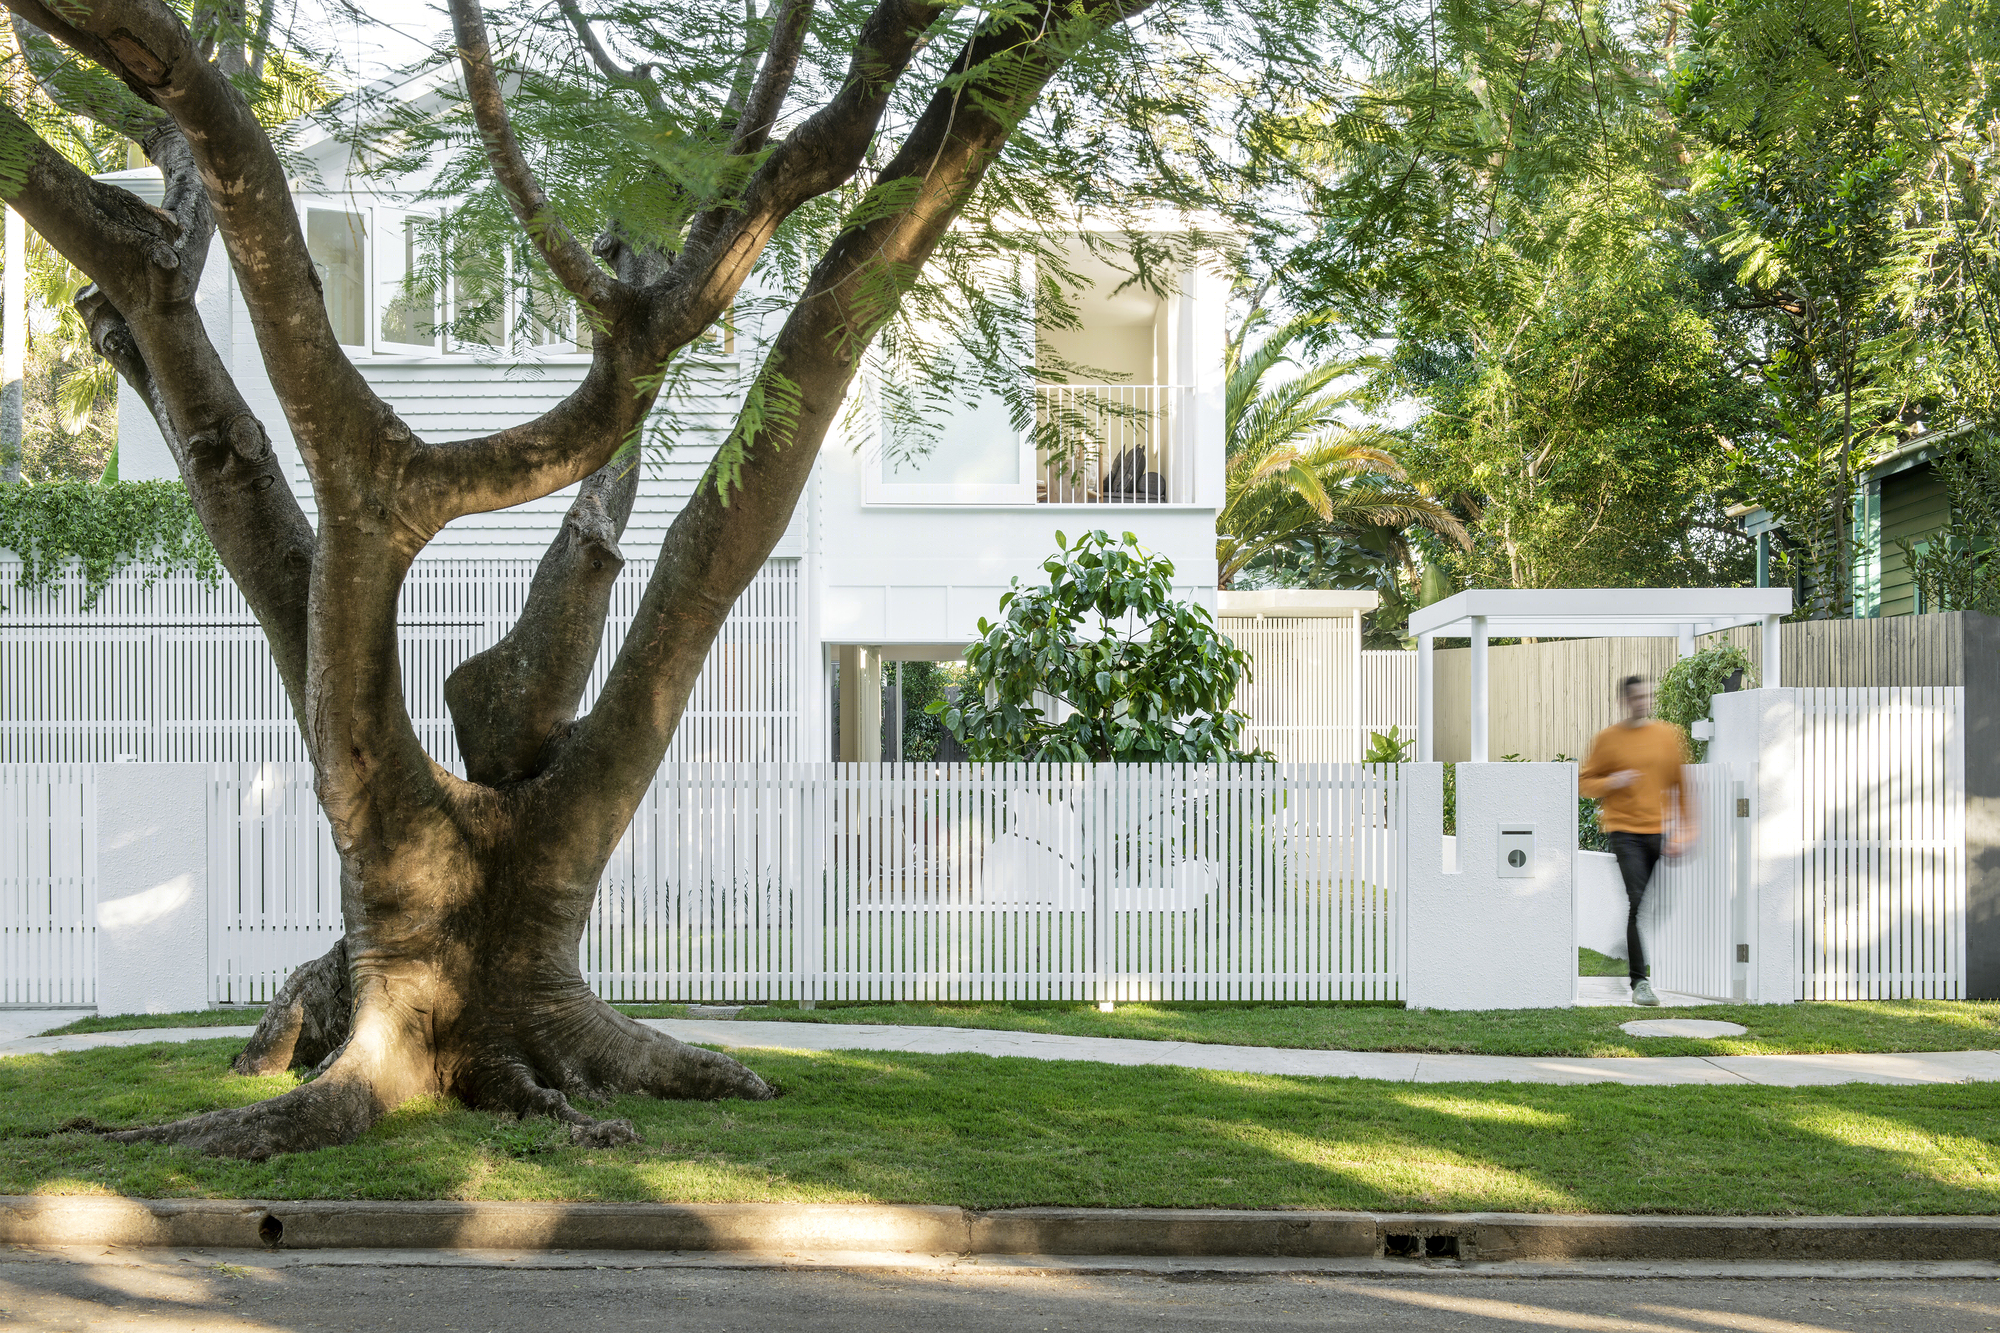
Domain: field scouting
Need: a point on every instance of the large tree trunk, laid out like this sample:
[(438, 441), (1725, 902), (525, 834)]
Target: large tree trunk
[(483, 1002)]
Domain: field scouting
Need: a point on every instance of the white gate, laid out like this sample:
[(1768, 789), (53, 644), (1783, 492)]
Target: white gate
[(1690, 924)]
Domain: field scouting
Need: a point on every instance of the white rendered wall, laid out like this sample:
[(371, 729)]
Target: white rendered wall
[(1756, 734), (152, 888), (1476, 940)]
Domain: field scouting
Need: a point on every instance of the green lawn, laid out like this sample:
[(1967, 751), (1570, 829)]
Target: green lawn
[(198, 1018), (1591, 963), (1890, 1025), (1887, 1025), (985, 1132)]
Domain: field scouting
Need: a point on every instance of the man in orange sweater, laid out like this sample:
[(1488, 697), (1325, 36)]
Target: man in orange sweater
[(1634, 770)]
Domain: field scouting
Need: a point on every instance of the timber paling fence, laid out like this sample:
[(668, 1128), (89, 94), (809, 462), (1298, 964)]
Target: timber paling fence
[(818, 882)]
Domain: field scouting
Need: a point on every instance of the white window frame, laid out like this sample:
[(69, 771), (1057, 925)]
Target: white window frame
[(376, 220)]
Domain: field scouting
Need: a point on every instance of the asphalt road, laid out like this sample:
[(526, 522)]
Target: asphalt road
[(220, 1290)]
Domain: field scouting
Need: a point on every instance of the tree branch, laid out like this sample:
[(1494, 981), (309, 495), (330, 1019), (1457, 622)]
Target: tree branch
[(725, 533), (510, 700), (639, 78), (566, 256), (822, 153), (774, 81), (332, 410), (144, 264)]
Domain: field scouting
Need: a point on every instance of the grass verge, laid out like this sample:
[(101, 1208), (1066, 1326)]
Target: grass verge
[(192, 1018), (985, 1132), (1850, 1026)]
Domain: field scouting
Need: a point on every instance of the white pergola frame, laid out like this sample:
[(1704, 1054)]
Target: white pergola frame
[(1482, 614)]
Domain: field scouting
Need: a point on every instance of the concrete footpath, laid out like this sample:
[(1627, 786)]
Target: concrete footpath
[(1790, 1071)]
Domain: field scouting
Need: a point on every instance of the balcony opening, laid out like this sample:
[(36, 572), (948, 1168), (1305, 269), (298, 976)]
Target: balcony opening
[(1112, 405)]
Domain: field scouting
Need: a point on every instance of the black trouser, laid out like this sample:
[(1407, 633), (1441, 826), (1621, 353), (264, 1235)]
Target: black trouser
[(1637, 854)]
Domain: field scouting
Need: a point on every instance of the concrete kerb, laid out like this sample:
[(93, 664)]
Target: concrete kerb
[(887, 1229)]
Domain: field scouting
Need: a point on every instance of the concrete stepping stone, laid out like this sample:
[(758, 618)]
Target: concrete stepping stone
[(1683, 1027)]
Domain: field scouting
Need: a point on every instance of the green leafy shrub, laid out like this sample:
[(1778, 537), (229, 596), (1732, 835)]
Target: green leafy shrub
[(1685, 691), (1147, 677), (104, 527), (1388, 747)]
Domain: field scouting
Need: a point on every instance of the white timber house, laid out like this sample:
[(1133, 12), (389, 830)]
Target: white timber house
[(891, 555)]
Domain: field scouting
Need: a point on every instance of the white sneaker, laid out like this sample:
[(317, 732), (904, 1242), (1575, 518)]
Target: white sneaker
[(1642, 993)]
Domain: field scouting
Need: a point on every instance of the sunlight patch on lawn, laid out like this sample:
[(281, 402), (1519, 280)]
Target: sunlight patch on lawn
[(1423, 1173), (1949, 1159), (1480, 1108)]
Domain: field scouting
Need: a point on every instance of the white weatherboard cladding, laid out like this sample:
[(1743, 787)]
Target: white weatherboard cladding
[(455, 397)]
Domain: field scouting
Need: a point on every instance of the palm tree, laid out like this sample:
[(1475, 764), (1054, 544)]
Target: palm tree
[(1297, 474)]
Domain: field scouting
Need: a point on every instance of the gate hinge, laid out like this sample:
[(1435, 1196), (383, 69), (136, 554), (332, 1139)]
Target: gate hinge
[(1743, 807), (1742, 953)]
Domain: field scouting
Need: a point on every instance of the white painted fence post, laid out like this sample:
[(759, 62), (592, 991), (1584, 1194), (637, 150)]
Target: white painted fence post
[(1479, 939), (152, 888)]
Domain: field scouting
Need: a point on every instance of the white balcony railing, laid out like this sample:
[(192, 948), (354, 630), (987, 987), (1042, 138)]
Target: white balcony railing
[(1114, 444)]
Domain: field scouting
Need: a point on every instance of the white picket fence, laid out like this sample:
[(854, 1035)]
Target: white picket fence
[(848, 882), (1882, 875), (169, 669)]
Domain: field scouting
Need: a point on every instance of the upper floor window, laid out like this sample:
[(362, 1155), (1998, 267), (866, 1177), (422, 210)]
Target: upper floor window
[(381, 283)]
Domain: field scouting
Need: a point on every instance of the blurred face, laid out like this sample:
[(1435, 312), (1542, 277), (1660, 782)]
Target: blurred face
[(1639, 703)]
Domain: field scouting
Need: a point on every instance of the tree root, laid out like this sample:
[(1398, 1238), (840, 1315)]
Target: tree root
[(308, 1022), (528, 1059), (325, 1114)]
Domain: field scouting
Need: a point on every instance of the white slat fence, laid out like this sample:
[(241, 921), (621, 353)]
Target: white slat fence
[(168, 669), (1303, 694), (1005, 882), (1882, 877), (48, 884)]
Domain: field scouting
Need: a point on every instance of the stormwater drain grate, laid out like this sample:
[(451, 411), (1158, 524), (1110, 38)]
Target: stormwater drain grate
[(1403, 1245)]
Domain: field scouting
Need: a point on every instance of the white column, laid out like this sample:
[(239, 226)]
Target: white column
[(1773, 655), (1479, 690), (1426, 704), (1687, 641), (860, 704), (1360, 727), (13, 345)]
